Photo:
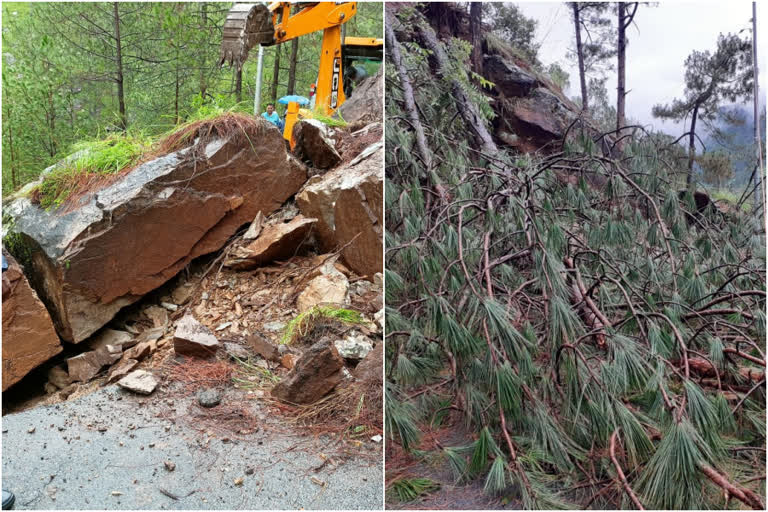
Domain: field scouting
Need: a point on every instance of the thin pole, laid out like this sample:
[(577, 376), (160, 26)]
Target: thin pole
[(257, 93)]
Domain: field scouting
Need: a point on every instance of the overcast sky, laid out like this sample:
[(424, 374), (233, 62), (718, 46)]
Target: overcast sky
[(659, 42)]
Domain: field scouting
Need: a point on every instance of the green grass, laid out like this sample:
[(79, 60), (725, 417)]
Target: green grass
[(408, 489), (250, 377), (303, 323), (97, 159)]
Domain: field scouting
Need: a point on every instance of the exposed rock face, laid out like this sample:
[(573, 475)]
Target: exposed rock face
[(139, 232), (365, 105), (276, 241), (29, 338), (194, 339), (509, 78), (348, 202), (314, 144), (538, 119), (316, 373)]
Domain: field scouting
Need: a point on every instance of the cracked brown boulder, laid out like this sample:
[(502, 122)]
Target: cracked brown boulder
[(276, 241), (314, 144), (315, 374), (136, 234), (29, 338), (348, 203)]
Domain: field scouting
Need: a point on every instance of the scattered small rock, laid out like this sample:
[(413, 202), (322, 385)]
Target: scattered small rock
[(289, 361), (316, 373), (209, 397), (31, 430), (140, 381), (169, 306), (274, 326), (235, 351), (194, 339), (121, 369), (255, 228), (239, 481), (169, 466), (354, 346), (182, 293), (264, 348), (377, 438)]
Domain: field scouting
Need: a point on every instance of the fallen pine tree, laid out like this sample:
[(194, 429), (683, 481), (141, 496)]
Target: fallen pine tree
[(600, 338)]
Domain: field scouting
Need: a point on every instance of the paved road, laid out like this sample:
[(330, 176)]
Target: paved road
[(107, 450)]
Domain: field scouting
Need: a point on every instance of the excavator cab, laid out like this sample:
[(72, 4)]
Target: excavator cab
[(341, 59)]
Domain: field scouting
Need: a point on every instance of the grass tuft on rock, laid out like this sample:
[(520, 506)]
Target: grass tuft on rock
[(93, 165), (207, 126), (305, 322)]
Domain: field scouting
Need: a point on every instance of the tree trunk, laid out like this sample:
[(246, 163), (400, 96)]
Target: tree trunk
[(292, 68), (621, 77), (476, 28), (580, 53), (692, 148), (238, 84), (469, 112), (275, 75), (204, 20), (410, 103), (119, 65), (759, 177), (51, 115)]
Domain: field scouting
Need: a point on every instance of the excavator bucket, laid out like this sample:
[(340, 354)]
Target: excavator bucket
[(246, 26)]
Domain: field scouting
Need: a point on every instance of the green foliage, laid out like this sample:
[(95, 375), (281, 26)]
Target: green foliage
[(477, 278), (409, 489), (90, 160), (59, 73), (304, 322), (671, 480)]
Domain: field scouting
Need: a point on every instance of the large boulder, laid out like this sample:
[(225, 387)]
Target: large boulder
[(131, 237), (366, 103), (349, 205), (29, 338)]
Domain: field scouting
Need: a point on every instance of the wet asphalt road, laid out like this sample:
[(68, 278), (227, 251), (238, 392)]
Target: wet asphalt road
[(107, 450)]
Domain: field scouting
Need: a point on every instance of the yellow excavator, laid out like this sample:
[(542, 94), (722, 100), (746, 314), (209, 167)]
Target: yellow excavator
[(250, 24)]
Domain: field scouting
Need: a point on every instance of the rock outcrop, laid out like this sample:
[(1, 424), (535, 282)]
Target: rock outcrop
[(136, 234), (348, 203), (29, 338)]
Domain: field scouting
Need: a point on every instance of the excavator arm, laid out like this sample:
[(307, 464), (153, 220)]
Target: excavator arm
[(250, 24)]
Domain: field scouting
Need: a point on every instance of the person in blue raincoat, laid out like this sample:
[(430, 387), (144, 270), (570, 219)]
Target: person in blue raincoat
[(272, 116)]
